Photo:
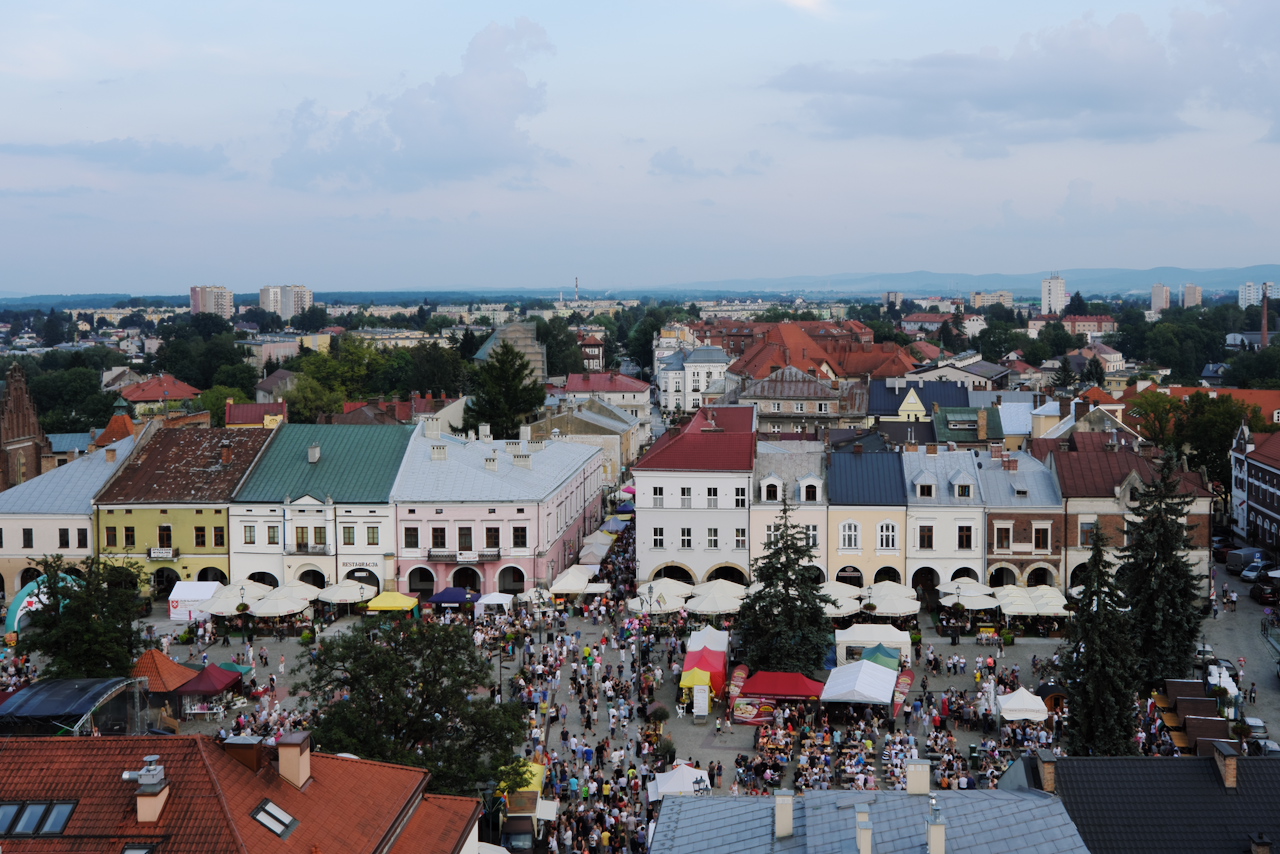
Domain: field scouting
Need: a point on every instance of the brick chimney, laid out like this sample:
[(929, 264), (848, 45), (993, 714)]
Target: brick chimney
[(1046, 765), (111, 455), (1259, 843), (982, 425), (1225, 756)]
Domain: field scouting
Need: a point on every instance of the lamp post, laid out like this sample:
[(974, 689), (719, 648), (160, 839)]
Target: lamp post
[(700, 787), (488, 794)]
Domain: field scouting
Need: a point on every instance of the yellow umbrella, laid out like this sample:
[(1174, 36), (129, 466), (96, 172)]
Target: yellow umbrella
[(392, 601)]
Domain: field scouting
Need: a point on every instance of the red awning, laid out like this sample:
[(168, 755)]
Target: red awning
[(781, 686), (211, 680)]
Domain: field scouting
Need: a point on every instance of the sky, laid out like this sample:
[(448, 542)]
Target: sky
[(152, 146)]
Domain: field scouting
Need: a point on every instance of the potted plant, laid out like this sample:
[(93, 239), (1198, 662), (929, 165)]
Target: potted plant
[(242, 607), (659, 714), (916, 638), (667, 749), (1008, 637), (307, 637)]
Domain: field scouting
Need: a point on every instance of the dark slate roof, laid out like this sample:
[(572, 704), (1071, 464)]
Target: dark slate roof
[(902, 432), (1127, 804), (845, 440), (358, 463), (861, 479), (887, 401)]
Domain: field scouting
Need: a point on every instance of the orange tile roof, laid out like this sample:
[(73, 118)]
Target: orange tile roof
[(212, 796), (119, 427), (1098, 396), (163, 673), (163, 387)]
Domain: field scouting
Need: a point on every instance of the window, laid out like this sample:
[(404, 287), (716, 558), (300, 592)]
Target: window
[(250, 535), (275, 819), (659, 541), (811, 492), (686, 496), (771, 492), (824, 407), (28, 538), (273, 535), (348, 535), (775, 428), (811, 535), (1086, 533), (200, 537), (713, 497), (924, 490), (55, 821), (371, 535), (798, 407), (520, 538), (686, 538), (318, 536), (771, 534), (740, 496), (464, 539), (439, 538), (657, 496), (888, 535), (130, 538), (164, 537), (491, 538), (850, 536), (302, 536), (964, 537), (219, 537), (1004, 538), (798, 428), (963, 490), (410, 538), (64, 538), (713, 538), (111, 537), (926, 536), (777, 407), (739, 538), (1041, 541)]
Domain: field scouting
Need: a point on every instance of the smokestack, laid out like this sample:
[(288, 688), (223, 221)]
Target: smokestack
[(982, 425), (153, 789), (783, 814), (295, 757)]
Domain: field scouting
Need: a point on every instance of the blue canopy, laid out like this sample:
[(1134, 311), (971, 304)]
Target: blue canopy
[(626, 507), (613, 525), (454, 596)]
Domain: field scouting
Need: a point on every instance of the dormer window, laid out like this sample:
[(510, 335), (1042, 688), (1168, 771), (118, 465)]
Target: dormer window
[(1133, 494), (924, 490), (811, 493), (964, 490), (771, 492)]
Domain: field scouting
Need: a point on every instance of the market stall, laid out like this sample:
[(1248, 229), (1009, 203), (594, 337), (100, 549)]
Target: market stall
[(1022, 705), (860, 682), (202, 696), (762, 691), (851, 643)]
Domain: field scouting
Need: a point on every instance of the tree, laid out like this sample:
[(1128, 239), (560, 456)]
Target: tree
[(564, 357), (85, 628), (1094, 372), (55, 329), (1158, 581), (239, 375), (1157, 416), (782, 625), (1065, 377), (1076, 305), (1098, 664), (1206, 427), (215, 401), (268, 321), (407, 697), (505, 392), (947, 337), (469, 344), (309, 399), (313, 319)]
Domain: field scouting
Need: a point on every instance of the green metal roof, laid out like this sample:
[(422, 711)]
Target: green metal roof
[(946, 419), (358, 463)]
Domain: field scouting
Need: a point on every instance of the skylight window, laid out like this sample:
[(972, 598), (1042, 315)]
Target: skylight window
[(35, 818), (274, 819)]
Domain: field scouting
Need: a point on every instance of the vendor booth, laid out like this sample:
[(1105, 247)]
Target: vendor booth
[(765, 689), (1022, 705), (680, 780), (705, 670), (202, 696), (186, 596), (853, 641), (860, 682)]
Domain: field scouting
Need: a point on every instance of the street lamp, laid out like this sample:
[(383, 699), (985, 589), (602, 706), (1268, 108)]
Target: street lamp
[(488, 794), (700, 787), (242, 593)]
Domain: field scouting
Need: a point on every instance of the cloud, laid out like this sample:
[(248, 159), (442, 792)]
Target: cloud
[(52, 193), (457, 127), (670, 163), (1081, 80), (131, 155)]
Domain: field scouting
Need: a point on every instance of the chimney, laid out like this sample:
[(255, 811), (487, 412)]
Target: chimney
[(1225, 756), (1266, 325), (936, 407), (982, 425), (439, 452), (917, 776), (111, 455), (431, 428), (999, 399), (1045, 764), (295, 757), (931, 449), (491, 463), (247, 750), (526, 432), (783, 814), (524, 461), (486, 435), (153, 789), (1259, 843), (313, 453), (863, 812), (937, 842), (226, 454)]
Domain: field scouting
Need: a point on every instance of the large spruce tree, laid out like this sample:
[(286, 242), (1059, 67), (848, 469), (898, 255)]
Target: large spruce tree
[(781, 625), (1098, 663), (1158, 581), (506, 391)]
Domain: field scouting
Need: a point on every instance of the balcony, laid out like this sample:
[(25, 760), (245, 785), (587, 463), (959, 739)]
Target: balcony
[(299, 549)]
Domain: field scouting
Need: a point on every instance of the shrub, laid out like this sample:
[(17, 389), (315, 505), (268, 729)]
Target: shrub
[(916, 637), (659, 715), (1008, 637), (667, 749), (306, 638)]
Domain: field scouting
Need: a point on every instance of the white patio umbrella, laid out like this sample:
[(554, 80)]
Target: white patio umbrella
[(845, 596), (967, 585), (719, 586), (278, 607), (892, 606), (891, 588), (1015, 601), (1049, 601), (347, 593), (971, 601), (716, 597), (293, 590), (1022, 705), (665, 587), (224, 603)]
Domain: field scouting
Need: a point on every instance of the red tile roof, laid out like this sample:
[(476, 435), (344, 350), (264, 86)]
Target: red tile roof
[(163, 387), (1097, 473), (119, 427), (1268, 400), (212, 797), (1099, 396), (163, 673), (1266, 449), (783, 345), (1087, 318), (602, 383), (187, 466), (718, 438), (254, 413)]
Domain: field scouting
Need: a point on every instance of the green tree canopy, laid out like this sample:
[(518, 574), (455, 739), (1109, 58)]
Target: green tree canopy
[(506, 391), (782, 625), (85, 629), (215, 401), (309, 399), (409, 697), (1098, 667)]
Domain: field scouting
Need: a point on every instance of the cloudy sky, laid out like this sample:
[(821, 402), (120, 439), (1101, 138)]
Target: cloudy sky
[(149, 146)]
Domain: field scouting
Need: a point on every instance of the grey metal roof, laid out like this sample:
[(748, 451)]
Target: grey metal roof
[(998, 485), (789, 383), (67, 489), (941, 466), (463, 476), (1016, 418), (866, 479), (981, 821), (790, 465), (982, 397), (64, 442), (708, 355)]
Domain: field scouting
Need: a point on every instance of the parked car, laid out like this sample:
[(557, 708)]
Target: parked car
[(1257, 727), (1256, 572), (1262, 747), (1263, 593), (1204, 655), (1226, 665), (1238, 559)]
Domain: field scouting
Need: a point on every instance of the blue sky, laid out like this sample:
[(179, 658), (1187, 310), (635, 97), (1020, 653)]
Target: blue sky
[(150, 146)]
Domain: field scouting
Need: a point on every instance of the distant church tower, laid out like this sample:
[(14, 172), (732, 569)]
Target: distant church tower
[(22, 442)]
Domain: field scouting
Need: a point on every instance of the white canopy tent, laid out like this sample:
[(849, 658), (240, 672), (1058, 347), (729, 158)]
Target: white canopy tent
[(1022, 705), (186, 595), (680, 780), (868, 635), (592, 553), (572, 582), (501, 600), (860, 682), (603, 538), (347, 592), (709, 638)]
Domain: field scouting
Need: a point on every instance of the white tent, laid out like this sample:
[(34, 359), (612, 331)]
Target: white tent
[(708, 638), (1022, 705), (347, 592), (860, 682), (572, 581), (681, 780), (186, 595), (502, 600), (592, 553), (868, 635), (603, 538)]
